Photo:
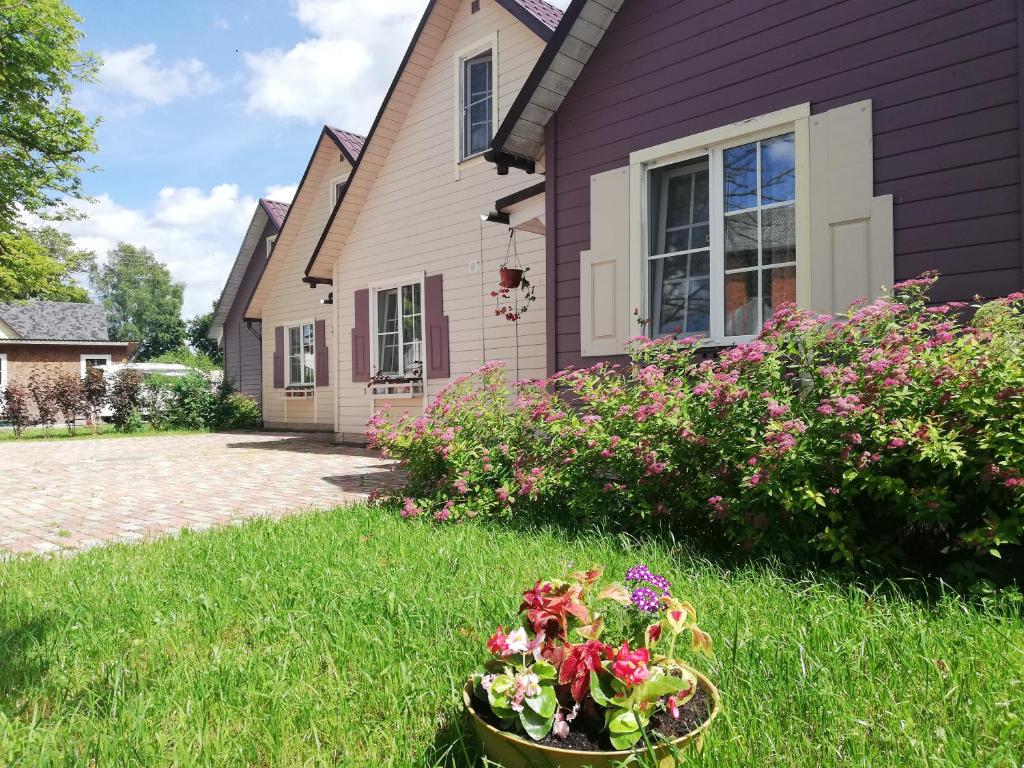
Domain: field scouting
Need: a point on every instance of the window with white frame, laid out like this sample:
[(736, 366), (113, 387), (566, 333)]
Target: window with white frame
[(722, 238), (301, 356), (476, 104), (270, 244), (338, 189), (91, 361), (399, 331)]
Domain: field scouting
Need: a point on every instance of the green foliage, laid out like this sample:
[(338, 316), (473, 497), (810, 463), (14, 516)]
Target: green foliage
[(188, 357), (43, 139), (238, 411), (343, 639), (142, 300), (125, 396), (40, 264), (196, 329), (894, 436)]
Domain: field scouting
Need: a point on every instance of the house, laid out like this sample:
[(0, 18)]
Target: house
[(411, 251), (705, 161), (241, 341), (43, 338), (297, 319)]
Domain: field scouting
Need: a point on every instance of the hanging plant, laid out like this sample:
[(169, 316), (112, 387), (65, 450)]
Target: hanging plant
[(515, 292)]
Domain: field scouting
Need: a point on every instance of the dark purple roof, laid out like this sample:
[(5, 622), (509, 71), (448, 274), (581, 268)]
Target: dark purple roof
[(275, 210), (546, 13), (352, 142)]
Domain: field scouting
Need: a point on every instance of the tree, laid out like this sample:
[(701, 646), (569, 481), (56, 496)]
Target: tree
[(202, 344), (142, 301), (41, 264), (43, 139)]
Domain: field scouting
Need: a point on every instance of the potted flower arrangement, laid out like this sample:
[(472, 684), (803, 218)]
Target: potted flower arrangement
[(593, 681)]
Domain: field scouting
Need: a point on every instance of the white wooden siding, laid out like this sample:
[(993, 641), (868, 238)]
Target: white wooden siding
[(415, 214)]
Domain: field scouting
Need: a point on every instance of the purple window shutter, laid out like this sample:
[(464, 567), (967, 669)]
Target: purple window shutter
[(279, 357), (320, 360), (438, 364), (361, 337)]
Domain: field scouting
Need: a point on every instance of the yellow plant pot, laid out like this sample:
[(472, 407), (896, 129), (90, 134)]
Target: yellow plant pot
[(512, 751)]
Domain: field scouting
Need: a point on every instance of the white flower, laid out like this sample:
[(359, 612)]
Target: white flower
[(517, 641)]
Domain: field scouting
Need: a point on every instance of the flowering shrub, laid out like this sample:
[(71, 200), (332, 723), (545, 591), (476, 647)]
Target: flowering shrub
[(894, 431), (556, 673)]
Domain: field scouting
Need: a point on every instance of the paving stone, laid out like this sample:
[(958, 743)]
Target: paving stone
[(130, 489)]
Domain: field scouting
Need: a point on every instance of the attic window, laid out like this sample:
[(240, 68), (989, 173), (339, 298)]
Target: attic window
[(474, 6), (338, 189), (270, 244), (477, 104)]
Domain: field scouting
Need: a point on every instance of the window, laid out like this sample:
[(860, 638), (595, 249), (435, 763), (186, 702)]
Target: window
[(301, 356), (270, 244), (3, 373), (337, 190), (91, 361), (722, 239), (476, 104), (399, 331)]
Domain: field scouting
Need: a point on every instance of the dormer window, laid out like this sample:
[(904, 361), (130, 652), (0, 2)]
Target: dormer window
[(477, 104)]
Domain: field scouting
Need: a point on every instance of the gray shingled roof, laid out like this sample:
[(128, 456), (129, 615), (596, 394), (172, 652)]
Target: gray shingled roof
[(56, 321)]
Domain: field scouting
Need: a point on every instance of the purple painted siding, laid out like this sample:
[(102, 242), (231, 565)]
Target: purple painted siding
[(243, 356), (943, 76)]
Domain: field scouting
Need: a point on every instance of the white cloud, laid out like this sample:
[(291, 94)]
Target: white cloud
[(339, 75), (282, 193), (138, 74), (195, 232), (221, 23)]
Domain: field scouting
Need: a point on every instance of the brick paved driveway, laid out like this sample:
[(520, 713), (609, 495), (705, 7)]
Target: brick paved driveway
[(73, 494)]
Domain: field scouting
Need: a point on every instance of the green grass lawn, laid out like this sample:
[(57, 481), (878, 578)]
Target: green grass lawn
[(342, 638), (85, 433)]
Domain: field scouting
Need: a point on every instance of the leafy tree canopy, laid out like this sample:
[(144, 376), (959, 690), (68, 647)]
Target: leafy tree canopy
[(43, 139), (142, 300), (198, 327), (41, 264)]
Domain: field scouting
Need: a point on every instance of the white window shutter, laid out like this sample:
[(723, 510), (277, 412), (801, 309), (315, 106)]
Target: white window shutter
[(604, 269), (851, 230)]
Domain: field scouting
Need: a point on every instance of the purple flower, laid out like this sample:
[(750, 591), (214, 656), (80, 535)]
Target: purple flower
[(645, 599), (659, 582), (638, 573)]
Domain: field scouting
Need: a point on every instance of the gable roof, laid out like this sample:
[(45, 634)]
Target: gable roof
[(275, 210), (266, 210), (537, 15), (521, 133), (350, 143), (351, 146), (55, 321)]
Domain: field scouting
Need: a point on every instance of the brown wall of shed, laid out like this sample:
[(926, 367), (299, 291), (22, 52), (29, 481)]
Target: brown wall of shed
[(943, 75)]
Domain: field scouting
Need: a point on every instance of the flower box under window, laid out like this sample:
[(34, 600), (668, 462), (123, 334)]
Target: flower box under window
[(298, 392)]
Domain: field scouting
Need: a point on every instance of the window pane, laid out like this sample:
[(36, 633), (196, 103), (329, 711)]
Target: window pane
[(412, 329), (779, 288), (387, 353), (680, 294), (387, 311), (741, 240), (740, 177), (679, 207), (778, 170), (477, 93), (411, 359), (778, 235), (307, 339), (741, 303)]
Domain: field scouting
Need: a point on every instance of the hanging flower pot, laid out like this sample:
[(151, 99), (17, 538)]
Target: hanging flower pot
[(510, 278)]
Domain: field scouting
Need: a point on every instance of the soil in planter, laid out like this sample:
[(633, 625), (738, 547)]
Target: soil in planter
[(585, 734)]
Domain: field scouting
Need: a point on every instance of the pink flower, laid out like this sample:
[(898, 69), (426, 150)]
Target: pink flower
[(897, 442), (631, 666), (409, 509)]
